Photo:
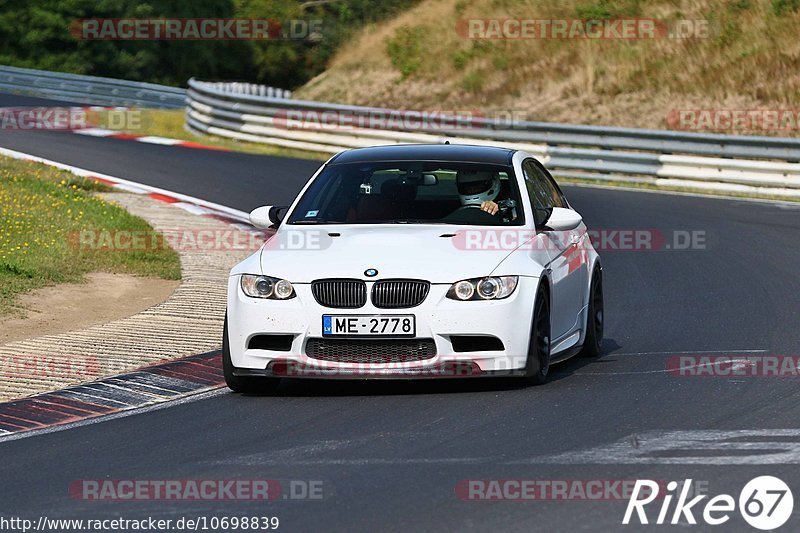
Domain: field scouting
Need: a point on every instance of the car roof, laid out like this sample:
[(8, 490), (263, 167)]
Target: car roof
[(427, 152)]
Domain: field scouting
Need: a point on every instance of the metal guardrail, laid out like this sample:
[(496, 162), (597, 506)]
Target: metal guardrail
[(262, 114), (583, 152), (235, 88), (89, 89)]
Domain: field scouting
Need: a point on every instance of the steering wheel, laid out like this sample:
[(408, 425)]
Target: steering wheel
[(473, 213)]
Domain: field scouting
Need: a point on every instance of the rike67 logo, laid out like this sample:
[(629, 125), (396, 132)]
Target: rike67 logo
[(765, 502)]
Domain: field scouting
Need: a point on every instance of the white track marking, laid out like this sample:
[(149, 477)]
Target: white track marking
[(96, 132), (130, 188), (152, 139), (193, 209), (692, 352)]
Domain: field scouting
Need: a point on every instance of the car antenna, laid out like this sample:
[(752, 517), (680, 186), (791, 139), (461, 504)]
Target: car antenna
[(447, 142)]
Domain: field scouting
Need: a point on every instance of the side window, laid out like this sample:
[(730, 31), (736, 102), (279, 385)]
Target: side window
[(549, 185), (541, 199)]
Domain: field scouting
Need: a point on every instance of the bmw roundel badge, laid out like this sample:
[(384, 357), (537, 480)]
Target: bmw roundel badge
[(370, 272)]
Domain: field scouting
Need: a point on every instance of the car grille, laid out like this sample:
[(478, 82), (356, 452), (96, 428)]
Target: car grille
[(340, 293), (371, 351), (399, 293)]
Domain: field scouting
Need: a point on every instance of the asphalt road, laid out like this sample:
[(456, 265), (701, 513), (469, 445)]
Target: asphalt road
[(390, 455)]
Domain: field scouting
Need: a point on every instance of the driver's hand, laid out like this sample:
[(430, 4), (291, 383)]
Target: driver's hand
[(490, 207)]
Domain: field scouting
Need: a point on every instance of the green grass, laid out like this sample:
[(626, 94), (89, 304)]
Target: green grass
[(170, 123), (405, 49), (42, 209)]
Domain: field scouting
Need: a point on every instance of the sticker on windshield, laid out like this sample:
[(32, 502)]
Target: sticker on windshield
[(312, 213)]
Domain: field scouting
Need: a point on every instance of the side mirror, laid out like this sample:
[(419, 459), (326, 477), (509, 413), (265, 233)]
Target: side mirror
[(268, 216), (563, 219)]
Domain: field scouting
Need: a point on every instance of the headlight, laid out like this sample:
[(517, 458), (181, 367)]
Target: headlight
[(267, 287), (490, 288)]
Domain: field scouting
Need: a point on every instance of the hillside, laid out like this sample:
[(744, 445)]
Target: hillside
[(748, 58)]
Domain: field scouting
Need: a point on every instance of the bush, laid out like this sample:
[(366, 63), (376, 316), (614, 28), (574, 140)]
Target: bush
[(36, 34), (781, 7), (405, 49), (608, 9)]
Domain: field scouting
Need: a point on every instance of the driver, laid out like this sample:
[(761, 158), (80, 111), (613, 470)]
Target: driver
[(479, 188)]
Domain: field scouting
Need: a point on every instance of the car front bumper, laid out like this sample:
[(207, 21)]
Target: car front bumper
[(437, 318)]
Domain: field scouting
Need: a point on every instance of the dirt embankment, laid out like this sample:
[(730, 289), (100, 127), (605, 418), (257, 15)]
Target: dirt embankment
[(726, 57)]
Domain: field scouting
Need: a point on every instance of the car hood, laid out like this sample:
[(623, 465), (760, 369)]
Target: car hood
[(427, 252)]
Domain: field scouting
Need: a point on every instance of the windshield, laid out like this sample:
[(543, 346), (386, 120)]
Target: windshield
[(411, 193)]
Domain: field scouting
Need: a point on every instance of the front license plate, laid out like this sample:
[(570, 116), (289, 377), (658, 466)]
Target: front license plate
[(394, 325)]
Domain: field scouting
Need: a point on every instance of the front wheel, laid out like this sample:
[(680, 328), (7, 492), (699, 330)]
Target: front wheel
[(245, 384), (595, 318), (538, 362)]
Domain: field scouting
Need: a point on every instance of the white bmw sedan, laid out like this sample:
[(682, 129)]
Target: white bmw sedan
[(415, 261)]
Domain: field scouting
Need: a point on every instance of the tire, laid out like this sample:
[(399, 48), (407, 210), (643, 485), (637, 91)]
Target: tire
[(538, 361), (245, 384), (595, 318)]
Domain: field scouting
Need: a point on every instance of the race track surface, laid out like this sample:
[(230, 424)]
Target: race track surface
[(390, 455)]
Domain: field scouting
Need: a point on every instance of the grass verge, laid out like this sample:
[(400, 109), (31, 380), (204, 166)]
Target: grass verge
[(41, 209)]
